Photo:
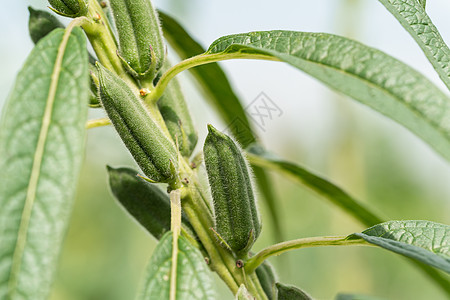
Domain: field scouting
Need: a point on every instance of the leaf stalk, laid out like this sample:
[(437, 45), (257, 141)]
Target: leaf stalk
[(277, 249)]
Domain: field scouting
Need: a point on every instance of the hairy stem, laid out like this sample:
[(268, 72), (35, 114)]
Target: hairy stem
[(217, 264), (103, 42), (258, 292), (222, 261)]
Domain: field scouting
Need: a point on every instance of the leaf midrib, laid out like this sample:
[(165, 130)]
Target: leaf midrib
[(36, 167)]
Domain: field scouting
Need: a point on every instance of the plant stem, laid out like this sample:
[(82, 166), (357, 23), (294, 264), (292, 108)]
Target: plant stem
[(175, 210), (155, 114), (195, 61), (186, 169), (103, 42), (222, 261), (97, 123), (259, 292), (217, 264), (277, 249), (199, 213)]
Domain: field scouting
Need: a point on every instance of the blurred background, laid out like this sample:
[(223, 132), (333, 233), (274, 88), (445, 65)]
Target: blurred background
[(371, 157)]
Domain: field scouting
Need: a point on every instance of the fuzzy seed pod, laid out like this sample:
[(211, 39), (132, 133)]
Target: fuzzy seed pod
[(144, 201), (69, 8), (175, 113), (237, 220), (152, 150), (141, 45), (94, 97)]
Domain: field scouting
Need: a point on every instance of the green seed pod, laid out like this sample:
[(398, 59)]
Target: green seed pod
[(41, 23), (236, 215), (267, 278), (94, 97), (145, 202), (153, 151), (175, 113), (69, 8), (141, 45)]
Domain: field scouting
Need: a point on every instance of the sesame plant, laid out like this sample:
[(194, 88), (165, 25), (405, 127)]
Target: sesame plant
[(203, 224)]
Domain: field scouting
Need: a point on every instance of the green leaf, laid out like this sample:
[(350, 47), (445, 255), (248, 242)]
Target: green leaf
[(355, 297), (329, 191), (412, 16), (334, 194), (41, 23), (144, 202), (423, 3), (267, 278), (243, 294), (193, 278), (287, 292), (42, 136), (221, 96), (425, 241), (363, 73)]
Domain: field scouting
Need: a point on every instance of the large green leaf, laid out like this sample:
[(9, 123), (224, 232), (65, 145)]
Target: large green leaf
[(425, 241), (221, 96), (193, 278), (363, 73), (412, 16), (41, 147), (329, 191)]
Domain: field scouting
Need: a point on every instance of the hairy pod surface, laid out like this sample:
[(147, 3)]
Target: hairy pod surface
[(152, 150), (267, 278), (41, 23), (69, 8), (94, 96), (144, 201), (141, 43), (236, 216), (175, 112)]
